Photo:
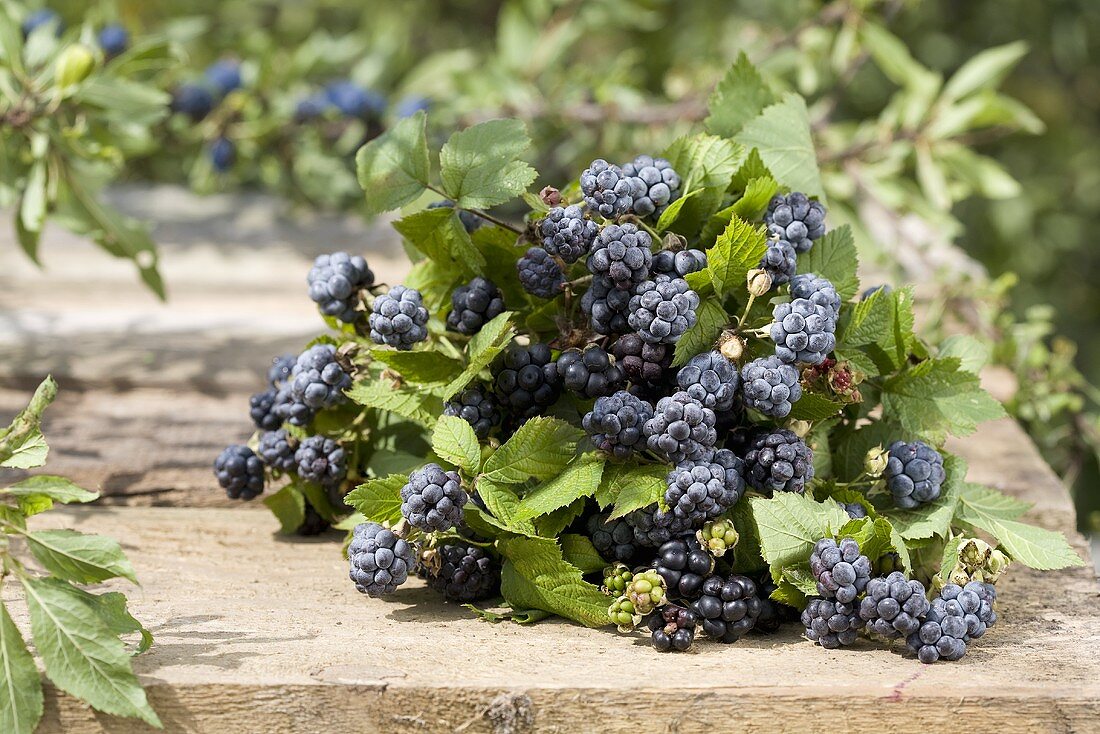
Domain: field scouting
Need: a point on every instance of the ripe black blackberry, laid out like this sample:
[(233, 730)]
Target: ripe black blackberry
[(972, 601), (773, 614), (277, 450), (263, 410), (778, 461), (816, 290), (795, 219), (704, 489), (803, 331), (942, 634), (606, 306), (607, 191), (672, 628), (318, 381), (477, 408), (727, 607), (914, 473), (615, 423), (680, 429), (566, 233), (335, 282), (525, 380), (621, 252), (474, 304), (470, 221), (643, 363), (539, 274), (432, 499), (987, 594), (398, 318), (654, 527), (291, 409), (662, 309), (240, 472), (711, 379), (655, 185), (780, 262), (841, 571), (613, 539), (894, 606), (463, 573), (684, 565), (770, 386), (281, 368), (379, 560), (830, 623), (589, 374), (678, 264), (321, 460), (854, 509)]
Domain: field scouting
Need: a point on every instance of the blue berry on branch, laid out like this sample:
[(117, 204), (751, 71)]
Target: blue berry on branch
[(894, 606), (914, 473), (240, 472), (778, 461), (678, 264), (779, 261), (398, 318), (477, 408), (277, 450), (606, 306), (663, 309), (566, 233), (770, 386), (590, 373), (473, 305), (539, 273), (607, 191), (321, 460), (264, 411), (114, 39), (525, 380), (728, 607), (681, 429), (704, 489), (841, 571), (621, 252), (615, 424), (318, 380), (796, 219), (335, 282), (655, 185), (380, 561), (433, 499), (613, 539), (462, 573), (803, 331), (711, 379), (830, 623)]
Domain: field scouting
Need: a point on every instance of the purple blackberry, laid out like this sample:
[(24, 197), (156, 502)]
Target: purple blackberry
[(681, 429), (433, 499), (477, 408), (779, 261), (914, 473), (704, 489), (830, 623), (684, 565), (473, 305), (615, 423), (277, 450), (463, 573), (778, 461), (678, 264), (662, 309), (893, 606), (816, 290), (621, 253), (539, 273), (803, 331), (841, 571), (770, 386), (318, 380), (711, 379), (728, 607), (263, 410), (589, 374), (321, 460), (335, 282), (566, 233), (398, 318), (606, 306), (644, 363), (379, 560), (796, 219), (607, 191), (240, 472), (672, 628), (655, 184)]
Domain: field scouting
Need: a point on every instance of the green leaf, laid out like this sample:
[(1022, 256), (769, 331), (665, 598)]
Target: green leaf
[(704, 162), (75, 556), (1038, 548), (536, 576), (739, 97), (479, 165), (789, 524), (814, 407), (781, 133), (581, 478), (937, 397), (736, 251), (483, 348), (125, 101), (801, 578), (58, 489), (672, 211), (416, 405), (973, 355), (753, 203), (32, 206), (439, 234), (578, 551), (289, 507), (379, 500), (637, 487), (834, 257), (540, 449), (22, 445), (422, 367), (990, 502), (746, 554), (112, 609), (710, 320), (81, 654), (880, 326), (454, 440), (752, 168), (897, 543), (985, 70), (555, 523), (393, 169), (933, 518), (503, 503), (21, 699)]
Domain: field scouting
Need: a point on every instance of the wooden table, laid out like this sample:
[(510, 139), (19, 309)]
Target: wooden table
[(258, 633)]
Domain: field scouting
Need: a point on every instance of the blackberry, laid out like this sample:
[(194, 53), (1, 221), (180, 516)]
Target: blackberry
[(589, 374), (779, 261), (711, 379), (433, 499), (842, 572), (113, 39), (773, 614), (223, 154), (615, 423), (474, 304), (539, 274), (622, 253), (606, 306), (264, 411), (854, 509), (987, 594), (770, 386), (875, 289), (914, 473), (335, 282), (470, 221), (398, 318), (681, 429), (277, 450), (803, 331), (817, 290), (678, 264), (646, 591), (192, 100), (662, 309), (942, 634), (290, 409), (831, 624), (567, 234), (280, 369), (615, 579), (317, 380), (354, 101), (778, 461), (728, 607), (644, 363), (795, 219), (312, 524), (311, 107), (477, 408), (464, 574), (672, 628), (321, 460), (974, 601), (240, 472), (380, 561), (39, 18), (684, 565), (704, 489), (525, 379), (893, 606), (607, 191), (653, 526), (655, 185), (224, 76), (613, 539)]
